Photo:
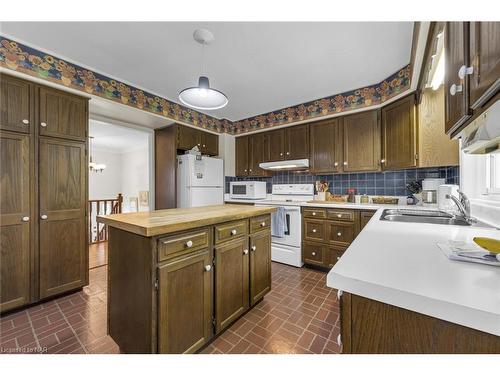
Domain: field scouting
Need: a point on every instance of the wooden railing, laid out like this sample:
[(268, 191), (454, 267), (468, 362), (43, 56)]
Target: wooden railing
[(98, 232)]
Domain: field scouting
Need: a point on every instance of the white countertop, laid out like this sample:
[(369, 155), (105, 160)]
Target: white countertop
[(400, 264)]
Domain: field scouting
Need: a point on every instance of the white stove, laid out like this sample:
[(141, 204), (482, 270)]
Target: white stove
[(287, 249)]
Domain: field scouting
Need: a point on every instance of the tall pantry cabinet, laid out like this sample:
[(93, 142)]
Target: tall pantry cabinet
[(43, 193)]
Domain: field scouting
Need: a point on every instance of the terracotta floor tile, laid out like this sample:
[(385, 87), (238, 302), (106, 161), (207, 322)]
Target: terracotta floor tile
[(299, 315)]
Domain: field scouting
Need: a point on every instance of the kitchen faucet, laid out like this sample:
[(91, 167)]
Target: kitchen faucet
[(463, 205)]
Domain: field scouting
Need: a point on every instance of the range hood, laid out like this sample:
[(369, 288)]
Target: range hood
[(285, 165), (482, 136)]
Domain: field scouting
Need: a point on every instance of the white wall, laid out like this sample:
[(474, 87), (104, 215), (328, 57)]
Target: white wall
[(135, 175), (106, 184), (227, 149)]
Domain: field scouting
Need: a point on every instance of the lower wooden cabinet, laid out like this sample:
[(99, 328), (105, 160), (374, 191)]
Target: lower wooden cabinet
[(364, 218), (231, 282), (185, 303), (260, 266)]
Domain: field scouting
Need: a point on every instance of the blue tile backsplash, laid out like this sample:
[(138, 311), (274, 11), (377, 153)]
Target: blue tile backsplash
[(372, 183)]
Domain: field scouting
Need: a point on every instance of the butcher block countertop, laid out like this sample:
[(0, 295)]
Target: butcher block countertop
[(153, 223)]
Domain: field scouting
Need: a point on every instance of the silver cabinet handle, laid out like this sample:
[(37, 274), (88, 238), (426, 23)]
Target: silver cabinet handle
[(281, 154), (189, 243), (204, 146), (339, 234), (465, 70), (454, 89), (339, 215), (253, 248), (382, 161), (245, 170), (288, 153), (25, 121), (245, 252), (313, 253), (250, 170), (199, 144), (43, 217), (25, 218), (314, 213), (314, 231), (233, 232), (336, 164), (43, 124), (263, 224), (208, 267), (345, 163)]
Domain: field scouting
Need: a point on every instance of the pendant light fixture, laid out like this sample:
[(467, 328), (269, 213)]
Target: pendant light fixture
[(94, 167), (203, 96)]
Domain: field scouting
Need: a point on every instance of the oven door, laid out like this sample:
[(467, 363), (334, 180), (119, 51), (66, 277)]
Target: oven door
[(293, 236)]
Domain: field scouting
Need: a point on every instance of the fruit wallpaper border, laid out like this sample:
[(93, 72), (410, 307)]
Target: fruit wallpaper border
[(19, 57)]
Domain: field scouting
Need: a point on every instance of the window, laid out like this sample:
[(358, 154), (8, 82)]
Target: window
[(493, 173)]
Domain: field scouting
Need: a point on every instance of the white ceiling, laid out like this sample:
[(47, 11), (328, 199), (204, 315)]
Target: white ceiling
[(260, 66), (116, 138)]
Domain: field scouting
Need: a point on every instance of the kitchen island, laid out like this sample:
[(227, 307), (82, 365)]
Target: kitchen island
[(400, 294), (179, 277)]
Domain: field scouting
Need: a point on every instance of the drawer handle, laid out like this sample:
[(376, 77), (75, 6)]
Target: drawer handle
[(345, 163), (245, 252), (338, 258), (43, 124), (44, 217), (253, 248), (189, 243), (339, 215), (314, 231), (455, 88), (336, 164), (263, 224), (464, 70), (208, 267), (339, 234), (314, 213), (313, 253), (233, 232), (25, 218), (25, 121)]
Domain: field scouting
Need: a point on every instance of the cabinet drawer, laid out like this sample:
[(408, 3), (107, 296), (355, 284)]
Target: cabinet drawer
[(314, 213), (229, 231), (314, 230), (260, 223), (342, 215), (341, 233), (332, 255), (169, 247), (313, 253)]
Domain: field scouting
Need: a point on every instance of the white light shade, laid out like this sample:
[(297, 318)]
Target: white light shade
[(202, 96)]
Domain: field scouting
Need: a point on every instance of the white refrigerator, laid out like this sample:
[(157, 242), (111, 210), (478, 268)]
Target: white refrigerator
[(200, 181)]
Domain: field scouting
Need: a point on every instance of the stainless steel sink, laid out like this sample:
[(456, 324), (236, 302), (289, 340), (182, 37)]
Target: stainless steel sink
[(422, 216)]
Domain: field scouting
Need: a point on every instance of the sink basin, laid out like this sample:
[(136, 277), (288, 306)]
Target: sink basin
[(422, 216)]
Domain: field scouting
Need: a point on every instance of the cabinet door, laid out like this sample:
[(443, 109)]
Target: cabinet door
[(276, 145), (15, 220), (341, 233), (324, 145), (485, 60), (63, 198), (15, 104), (399, 135), (362, 142), (188, 137), (62, 115), (456, 46), (185, 304), (297, 142), (260, 266), (242, 156), (231, 280), (256, 149), (209, 144), (364, 218), (332, 255)]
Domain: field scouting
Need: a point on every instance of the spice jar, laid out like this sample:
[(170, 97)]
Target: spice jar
[(351, 198), (365, 199)]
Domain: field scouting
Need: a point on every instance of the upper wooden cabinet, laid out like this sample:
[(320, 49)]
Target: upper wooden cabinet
[(188, 137), (250, 152), (16, 104), (399, 134), (275, 145), (361, 142), (62, 115), (289, 143), (241, 153), (484, 58), (456, 55), (325, 151)]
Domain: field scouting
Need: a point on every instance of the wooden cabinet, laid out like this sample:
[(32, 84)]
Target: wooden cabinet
[(365, 217), (43, 197), (188, 137), (333, 255), (241, 152), (297, 142), (62, 115), (325, 146), (456, 47), (63, 228), (313, 253), (16, 105), (314, 230), (260, 266), (399, 135), (484, 58), (276, 145), (250, 152), (231, 282), (185, 303), (361, 142), (15, 220)]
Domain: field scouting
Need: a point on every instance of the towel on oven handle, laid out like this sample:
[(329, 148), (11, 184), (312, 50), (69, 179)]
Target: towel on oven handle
[(278, 223)]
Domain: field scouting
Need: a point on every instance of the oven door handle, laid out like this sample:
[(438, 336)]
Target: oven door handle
[(292, 209)]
